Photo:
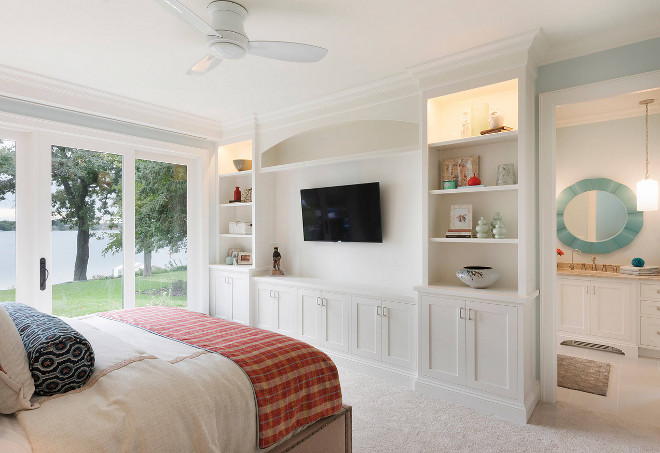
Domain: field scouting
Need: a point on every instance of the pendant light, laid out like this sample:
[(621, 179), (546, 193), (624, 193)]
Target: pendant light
[(647, 189)]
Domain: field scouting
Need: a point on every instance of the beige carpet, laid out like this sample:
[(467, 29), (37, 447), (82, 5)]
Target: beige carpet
[(388, 418), (584, 375)]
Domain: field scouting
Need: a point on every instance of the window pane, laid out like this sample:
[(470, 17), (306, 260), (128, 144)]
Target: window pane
[(161, 230), (86, 272), (7, 220)]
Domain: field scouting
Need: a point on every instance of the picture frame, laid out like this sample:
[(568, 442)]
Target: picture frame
[(244, 258), (233, 252), (460, 217), (460, 169), (246, 195)]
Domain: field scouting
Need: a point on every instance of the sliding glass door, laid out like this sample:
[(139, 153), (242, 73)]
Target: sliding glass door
[(86, 231), (7, 220), (161, 233)]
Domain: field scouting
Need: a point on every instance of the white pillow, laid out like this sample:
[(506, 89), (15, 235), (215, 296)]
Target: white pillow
[(16, 383)]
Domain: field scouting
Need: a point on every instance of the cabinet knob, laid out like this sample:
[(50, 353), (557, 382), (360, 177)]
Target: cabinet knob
[(318, 301), (469, 314), (460, 313), (385, 311), (377, 310)]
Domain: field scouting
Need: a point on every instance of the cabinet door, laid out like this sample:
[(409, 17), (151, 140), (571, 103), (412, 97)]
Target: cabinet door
[(336, 309), (443, 338), (491, 348), (309, 316), (266, 308), (221, 295), (286, 310), (573, 306), (611, 310), (366, 327), (398, 334), (240, 297)]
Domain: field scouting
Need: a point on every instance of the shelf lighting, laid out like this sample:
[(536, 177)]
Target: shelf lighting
[(647, 188)]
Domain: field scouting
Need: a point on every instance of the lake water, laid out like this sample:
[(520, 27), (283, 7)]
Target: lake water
[(64, 258)]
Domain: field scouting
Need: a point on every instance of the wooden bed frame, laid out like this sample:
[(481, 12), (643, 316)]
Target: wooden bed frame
[(333, 434)]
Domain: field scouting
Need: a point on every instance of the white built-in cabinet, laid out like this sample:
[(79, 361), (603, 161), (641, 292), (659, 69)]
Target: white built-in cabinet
[(230, 296), (471, 343), (276, 308), (597, 310), (383, 330), (324, 318), (649, 333)]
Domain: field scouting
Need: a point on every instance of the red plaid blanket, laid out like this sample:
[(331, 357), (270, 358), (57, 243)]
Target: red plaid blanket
[(294, 383)]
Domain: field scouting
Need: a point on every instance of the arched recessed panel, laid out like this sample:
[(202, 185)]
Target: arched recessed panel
[(343, 140)]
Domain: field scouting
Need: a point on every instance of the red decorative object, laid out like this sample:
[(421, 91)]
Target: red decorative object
[(237, 194), (474, 181), (559, 252)]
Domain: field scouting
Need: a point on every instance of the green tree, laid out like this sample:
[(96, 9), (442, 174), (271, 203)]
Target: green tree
[(7, 169), (87, 192), (160, 210)]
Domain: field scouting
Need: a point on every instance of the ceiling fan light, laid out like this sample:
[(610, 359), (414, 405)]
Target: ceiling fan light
[(647, 195)]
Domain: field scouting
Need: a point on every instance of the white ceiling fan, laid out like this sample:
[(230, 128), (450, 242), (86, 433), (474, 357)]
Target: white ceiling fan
[(226, 38)]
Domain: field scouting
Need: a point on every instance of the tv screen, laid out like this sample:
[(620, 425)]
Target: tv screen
[(342, 213)]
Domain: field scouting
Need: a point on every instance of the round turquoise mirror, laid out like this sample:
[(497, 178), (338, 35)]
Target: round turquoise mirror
[(597, 216)]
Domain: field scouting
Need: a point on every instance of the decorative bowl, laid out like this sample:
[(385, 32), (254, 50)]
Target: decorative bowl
[(478, 276), (243, 164)]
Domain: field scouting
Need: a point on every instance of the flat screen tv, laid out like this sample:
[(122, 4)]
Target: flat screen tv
[(342, 213)]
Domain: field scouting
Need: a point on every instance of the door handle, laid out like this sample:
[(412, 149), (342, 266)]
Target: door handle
[(324, 301), (385, 311), (271, 294), (276, 294), (469, 314), (460, 313), (378, 310), (318, 301), (43, 274)]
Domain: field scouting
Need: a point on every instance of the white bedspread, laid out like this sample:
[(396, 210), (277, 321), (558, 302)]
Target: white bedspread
[(192, 400)]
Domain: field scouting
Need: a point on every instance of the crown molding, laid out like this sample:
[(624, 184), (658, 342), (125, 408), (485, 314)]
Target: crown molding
[(601, 42), (35, 88), (498, 55), (361, 96)]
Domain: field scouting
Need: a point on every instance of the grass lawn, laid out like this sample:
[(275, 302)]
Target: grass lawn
[(91, 296)]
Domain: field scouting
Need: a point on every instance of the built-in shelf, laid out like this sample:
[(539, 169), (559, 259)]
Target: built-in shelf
[(236, 173), (228, 235), (475, 141), (477, 240), (233, 205), (475, 189)]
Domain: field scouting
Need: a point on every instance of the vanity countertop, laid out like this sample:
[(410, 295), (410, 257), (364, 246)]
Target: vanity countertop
[(567, 272)]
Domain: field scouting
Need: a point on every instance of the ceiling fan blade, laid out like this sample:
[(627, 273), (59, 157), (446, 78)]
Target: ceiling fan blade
[(204, 65), (287, 51), (193, 19)]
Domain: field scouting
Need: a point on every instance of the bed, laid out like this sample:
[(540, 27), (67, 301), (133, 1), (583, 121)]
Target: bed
[(152, 391)]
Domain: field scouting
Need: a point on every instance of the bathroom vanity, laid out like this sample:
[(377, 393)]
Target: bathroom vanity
[(610, 309)]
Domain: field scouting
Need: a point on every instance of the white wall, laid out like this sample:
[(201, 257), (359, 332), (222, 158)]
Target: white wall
[(614, 150), (395, 263)]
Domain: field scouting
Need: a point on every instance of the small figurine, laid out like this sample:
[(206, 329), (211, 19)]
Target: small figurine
[(277, 257)]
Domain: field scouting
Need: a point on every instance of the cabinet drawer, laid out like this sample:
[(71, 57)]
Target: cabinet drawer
[(649, 308), (650, 332), (650, 291)]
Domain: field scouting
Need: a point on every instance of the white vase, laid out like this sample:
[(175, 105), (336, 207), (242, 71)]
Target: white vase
[(478, 276), (500, 230), (496, 217), (483, 228)]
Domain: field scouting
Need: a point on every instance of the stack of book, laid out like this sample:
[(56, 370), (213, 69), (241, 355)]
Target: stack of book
[(459, 233), (640, 271)]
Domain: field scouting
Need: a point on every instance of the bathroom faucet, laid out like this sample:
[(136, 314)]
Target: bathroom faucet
[(593, 263), (572, 262)]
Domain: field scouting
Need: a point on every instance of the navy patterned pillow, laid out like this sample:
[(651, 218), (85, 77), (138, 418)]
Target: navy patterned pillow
[(59, 357)]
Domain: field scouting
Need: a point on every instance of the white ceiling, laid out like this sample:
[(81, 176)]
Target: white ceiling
[(140, 50)]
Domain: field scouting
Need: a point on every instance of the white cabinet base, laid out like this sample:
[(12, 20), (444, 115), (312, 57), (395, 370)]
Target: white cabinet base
[(500, 407)]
